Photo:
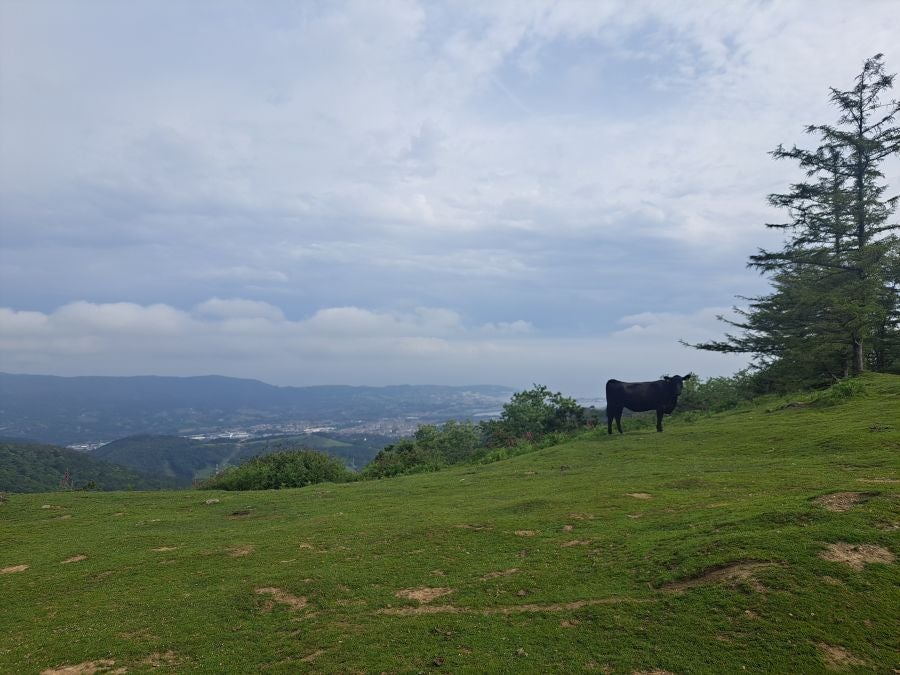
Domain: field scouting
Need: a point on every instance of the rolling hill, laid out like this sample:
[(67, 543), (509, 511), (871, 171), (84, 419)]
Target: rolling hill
[(759, 540), (184, 459), (34, 467)]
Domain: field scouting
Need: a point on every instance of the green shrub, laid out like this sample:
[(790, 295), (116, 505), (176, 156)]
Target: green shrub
[(532, 414), (404, 456), (839, 392), (291, 469)]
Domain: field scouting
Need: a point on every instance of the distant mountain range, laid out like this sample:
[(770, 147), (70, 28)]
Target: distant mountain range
[(69, 410)]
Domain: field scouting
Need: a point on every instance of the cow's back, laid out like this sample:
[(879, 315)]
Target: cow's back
[(636, 396)]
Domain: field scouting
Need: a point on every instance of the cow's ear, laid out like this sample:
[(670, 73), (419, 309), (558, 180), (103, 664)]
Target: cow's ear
[(687, 377)]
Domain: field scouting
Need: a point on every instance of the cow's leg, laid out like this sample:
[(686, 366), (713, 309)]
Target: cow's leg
[(613, 413), (659, 416)]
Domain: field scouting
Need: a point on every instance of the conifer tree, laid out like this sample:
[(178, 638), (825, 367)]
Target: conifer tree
[(834, 307)]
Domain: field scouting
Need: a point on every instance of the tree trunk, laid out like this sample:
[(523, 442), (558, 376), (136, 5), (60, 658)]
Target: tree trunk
[(858, 358)]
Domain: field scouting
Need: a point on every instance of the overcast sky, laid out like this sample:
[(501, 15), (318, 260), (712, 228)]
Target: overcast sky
[(382, 192)]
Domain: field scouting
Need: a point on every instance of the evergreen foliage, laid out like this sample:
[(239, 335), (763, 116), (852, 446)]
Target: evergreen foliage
[(834, 310)]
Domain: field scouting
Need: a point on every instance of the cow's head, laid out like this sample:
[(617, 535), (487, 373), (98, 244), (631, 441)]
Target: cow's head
[(674, 385)]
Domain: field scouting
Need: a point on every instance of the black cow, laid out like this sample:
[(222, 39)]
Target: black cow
[(661, 396)]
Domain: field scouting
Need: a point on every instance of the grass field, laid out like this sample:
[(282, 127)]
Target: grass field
[(761, 540)]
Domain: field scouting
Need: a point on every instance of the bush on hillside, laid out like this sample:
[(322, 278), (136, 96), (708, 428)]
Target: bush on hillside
[(532, 419), (717, 393), (530, 415), (291, 469)]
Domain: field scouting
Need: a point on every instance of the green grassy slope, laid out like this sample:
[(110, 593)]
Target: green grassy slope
[(696, 550)]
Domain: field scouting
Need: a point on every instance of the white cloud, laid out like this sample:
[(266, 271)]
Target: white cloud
[(344, 345), (236, 308), (530, 168)]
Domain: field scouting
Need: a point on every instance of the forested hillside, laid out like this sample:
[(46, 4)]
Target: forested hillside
[(34, 467)]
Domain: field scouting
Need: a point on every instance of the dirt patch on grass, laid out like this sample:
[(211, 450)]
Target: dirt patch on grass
[(831, 581), (639, 495), (475, 526), (839, 502), (857, 556), (532, 608), (497, 575), (837, 658), (73, 559), (309, 658), (731, 575), (889, 481), (240, 551), (163, 549), (575, 542), (86, 668), (426, 609), (243, 513), (13, 569), (568, 528), (160, 659), (423, 594), (525, 533), (582, 516), (653, 672), (283, 597)]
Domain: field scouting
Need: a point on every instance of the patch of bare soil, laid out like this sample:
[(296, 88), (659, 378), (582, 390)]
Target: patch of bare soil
[(857, 556), (582, 516), (163, 549), (831, 581), (878, 480), (283, 597), (837, 658), (86, 668), (240, 514), (160, 659), (525, 533), (423, 594), (13, 569), (839, 502), (309, 658), (426, 609), (240, 551), (639, 495), (575, 542), (568, 528), (513, 609), (74, 559), (496, 575), (653, 672), (728, 574), (474, 526)]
